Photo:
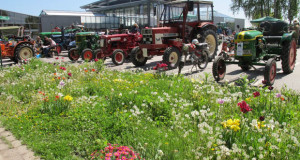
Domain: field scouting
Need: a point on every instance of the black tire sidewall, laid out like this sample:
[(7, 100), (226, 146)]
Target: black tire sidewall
[(167, 54), (133, 57)]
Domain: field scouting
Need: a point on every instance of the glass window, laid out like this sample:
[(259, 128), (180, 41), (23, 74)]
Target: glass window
[(206, 12)]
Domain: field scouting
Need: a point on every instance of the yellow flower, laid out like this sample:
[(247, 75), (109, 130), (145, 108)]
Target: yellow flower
[(68, 98), (248, 99), (232, 124), (260, 125)]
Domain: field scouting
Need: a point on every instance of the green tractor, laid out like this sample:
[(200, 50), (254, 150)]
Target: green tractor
[(263, 47), (86, 44)]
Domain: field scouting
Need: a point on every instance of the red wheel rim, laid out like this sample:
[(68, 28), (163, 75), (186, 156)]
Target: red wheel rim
[(221, 69), (292, 54), (99, 55), (119, 57), (58, 49), (272, 73), (88, 55), (74, 55)]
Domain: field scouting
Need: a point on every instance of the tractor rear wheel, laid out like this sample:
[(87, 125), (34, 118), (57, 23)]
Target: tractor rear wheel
[(137, 57), (24, 51), (118, 57), (288, 56), (87, 54), (203, 59), (219, 68), (99, 54), (73, 54), (270, 72), (172, 57), (209, 36), (245, 67)]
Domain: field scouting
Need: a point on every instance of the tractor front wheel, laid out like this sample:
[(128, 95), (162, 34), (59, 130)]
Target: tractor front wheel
[(137, 57), (172, 57), (24, 51), (209, 36), (87, 54), (270, 72), (288, 56), (219, 68), (73, 54), (99, 54), (118, 57)]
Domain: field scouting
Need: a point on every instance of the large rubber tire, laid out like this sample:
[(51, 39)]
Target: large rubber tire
[(219, 68), (203, 60), (137, 57), (118, 57), (99, 54), (210, 37), (24, 51), (245, 68), (270, 72), (172, 57), (87, 55), (288, 56), (73, 54)]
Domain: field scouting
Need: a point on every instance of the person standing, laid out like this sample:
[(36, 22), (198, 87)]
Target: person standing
[(296, 28)]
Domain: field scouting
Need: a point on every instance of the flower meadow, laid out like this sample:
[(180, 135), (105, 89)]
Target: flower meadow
[(85, 111)]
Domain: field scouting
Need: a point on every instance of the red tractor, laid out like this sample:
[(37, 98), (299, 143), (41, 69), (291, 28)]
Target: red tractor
[(180, 23), (14, 44), (117, 46)]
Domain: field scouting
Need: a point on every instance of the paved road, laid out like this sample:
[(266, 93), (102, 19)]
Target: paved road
[(233, 72)]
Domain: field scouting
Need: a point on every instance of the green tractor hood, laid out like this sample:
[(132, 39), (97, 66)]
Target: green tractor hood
[(247, 36)]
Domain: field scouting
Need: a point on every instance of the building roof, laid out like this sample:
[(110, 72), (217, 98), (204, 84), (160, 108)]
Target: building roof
[(68, 13)]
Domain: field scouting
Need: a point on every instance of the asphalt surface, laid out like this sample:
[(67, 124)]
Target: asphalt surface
[(233, 72)]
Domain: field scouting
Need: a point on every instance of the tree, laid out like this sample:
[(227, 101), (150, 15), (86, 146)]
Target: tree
[(261, 8)]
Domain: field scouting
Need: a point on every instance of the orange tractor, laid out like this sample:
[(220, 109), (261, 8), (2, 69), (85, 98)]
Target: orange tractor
[(14, 44)]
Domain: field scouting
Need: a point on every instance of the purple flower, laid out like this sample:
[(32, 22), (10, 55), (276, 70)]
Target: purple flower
[(278, 95)]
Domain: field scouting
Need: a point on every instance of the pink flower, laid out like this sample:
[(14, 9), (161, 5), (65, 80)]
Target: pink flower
[(278, 95), (256, 94), (244, 107), (221, 101), (96, 60), (62, 68), (108, 155), (70, 74)]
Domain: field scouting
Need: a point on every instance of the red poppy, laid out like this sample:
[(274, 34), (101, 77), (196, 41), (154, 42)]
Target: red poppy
[(96, 60), (70, 74), (270, 88), (244, 107), (261, 118), (256, 94)]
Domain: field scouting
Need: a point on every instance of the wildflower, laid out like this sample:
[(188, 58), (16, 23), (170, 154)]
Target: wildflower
[(68, 98), (232, 124), (96, 60), (244, 107), (278, 95), (57, 97), (61, 84), (93, 70), (248, 99), (70, 74), (282, 98), (62, 68), (256, 94), (260, 125), (221, 101), (261, 118), (55, 74), (270, 88), (56, 58)]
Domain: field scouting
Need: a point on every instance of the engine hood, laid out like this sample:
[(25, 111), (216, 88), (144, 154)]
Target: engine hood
[(247, 35)]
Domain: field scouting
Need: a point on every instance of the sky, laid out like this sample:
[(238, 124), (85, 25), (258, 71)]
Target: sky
[(34, 7)]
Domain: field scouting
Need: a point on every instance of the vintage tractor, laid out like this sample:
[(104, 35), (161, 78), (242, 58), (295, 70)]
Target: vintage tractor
[(86, 44), (117, 46), (15, 45), (263, 47), (180, 23)]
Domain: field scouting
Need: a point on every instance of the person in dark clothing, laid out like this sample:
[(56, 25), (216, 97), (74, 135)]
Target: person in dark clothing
[(135, 28), (48, 44)]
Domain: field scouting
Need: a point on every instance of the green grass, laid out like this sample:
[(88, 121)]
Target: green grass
[(160, 116)]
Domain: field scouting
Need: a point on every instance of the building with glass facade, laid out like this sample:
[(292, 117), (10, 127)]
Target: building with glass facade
[(143, 12), (31, 23)]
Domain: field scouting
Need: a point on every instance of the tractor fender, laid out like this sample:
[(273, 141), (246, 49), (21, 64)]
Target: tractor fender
[(207, 25), (287, 37)]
